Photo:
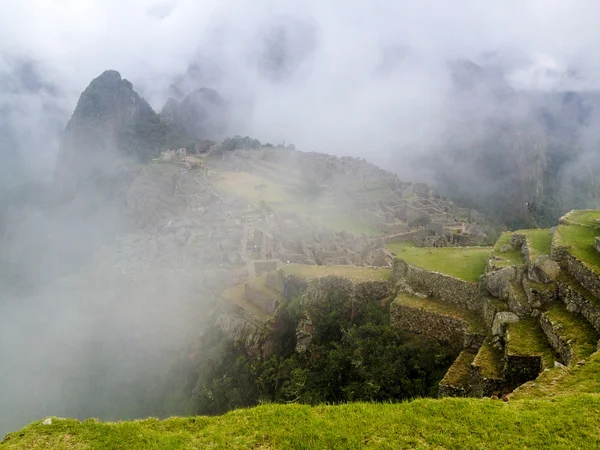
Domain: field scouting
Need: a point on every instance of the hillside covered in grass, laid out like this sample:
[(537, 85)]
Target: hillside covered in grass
[(567, 422)]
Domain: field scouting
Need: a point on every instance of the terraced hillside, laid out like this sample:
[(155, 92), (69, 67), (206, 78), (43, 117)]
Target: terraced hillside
[(526, 329), (512, 311)]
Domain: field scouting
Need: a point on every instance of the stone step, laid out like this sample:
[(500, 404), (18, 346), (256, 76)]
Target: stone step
[(439, 320), (457, 381), (487, 371), (571, 335), (578, 299), (526, 352)]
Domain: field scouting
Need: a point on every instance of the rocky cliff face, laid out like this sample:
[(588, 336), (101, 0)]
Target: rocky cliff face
[(110, 127), (203, 114)]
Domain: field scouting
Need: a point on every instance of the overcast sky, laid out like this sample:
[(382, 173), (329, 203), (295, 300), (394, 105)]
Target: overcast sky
[(363, 74)]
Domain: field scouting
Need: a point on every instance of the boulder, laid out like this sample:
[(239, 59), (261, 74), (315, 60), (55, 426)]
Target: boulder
[(544, 270), (498, 282), (597, 243), (501, 320)]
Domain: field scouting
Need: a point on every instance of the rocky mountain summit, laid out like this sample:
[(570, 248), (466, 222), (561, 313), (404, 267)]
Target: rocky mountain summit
[(110, 127)]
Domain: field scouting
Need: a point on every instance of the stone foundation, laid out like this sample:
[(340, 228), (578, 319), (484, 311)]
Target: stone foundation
[(578, 301), (461, 293), (558, 343)]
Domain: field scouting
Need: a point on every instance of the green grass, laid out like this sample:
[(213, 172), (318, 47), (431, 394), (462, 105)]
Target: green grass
[(459, 373), (575, 328), (489, 360), (474, 322), (566, 422), (510, 258), (526, 338), (578, 234), (466, 263), (398, 247), (353, 272), (572, 380), (539, 241)]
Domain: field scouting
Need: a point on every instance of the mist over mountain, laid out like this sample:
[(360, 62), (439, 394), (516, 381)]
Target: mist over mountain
[(112, 251)]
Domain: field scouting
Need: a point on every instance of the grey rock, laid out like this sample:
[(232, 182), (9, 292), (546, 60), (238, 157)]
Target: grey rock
[(544, 270), (47, 421), (501, 320), (498, 282), (559, 365)]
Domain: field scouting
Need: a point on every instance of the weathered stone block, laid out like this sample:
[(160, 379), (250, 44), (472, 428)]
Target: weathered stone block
[(544, 270), (499, 281)]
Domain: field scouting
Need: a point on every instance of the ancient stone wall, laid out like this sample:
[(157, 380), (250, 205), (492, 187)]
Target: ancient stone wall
[(442, 328), (578, 302), (461, 293), (539, 295), (562, 347), (519, 369), (586, 276), (482, 386)]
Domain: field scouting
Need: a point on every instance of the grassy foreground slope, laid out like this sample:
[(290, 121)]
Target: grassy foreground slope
[(565, 422)]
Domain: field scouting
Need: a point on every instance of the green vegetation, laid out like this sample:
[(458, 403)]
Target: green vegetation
[(466, 263), (566, 422), (489, 360), (239, 143), (526, 338), (578, 235), (354, 355), (568, 381), (511, 257), (459, 373), (472, 319), (574, 328), (397, 247), (353, 272), (540, 241)]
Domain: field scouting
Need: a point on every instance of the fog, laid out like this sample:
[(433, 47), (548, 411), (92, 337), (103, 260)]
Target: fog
[(375, 80)]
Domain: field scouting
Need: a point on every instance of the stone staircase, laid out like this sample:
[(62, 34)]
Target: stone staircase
[(553, 317)]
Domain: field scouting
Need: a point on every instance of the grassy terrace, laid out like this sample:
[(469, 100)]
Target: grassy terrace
[(540, 241), (466, 263), (459, 374), (236, 295), (260, 284), (575, 328), (526, 338), (489, 359), (352, 272), (578, 234), (474, 322), (566, 422), (564, 381), (510, 258)]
